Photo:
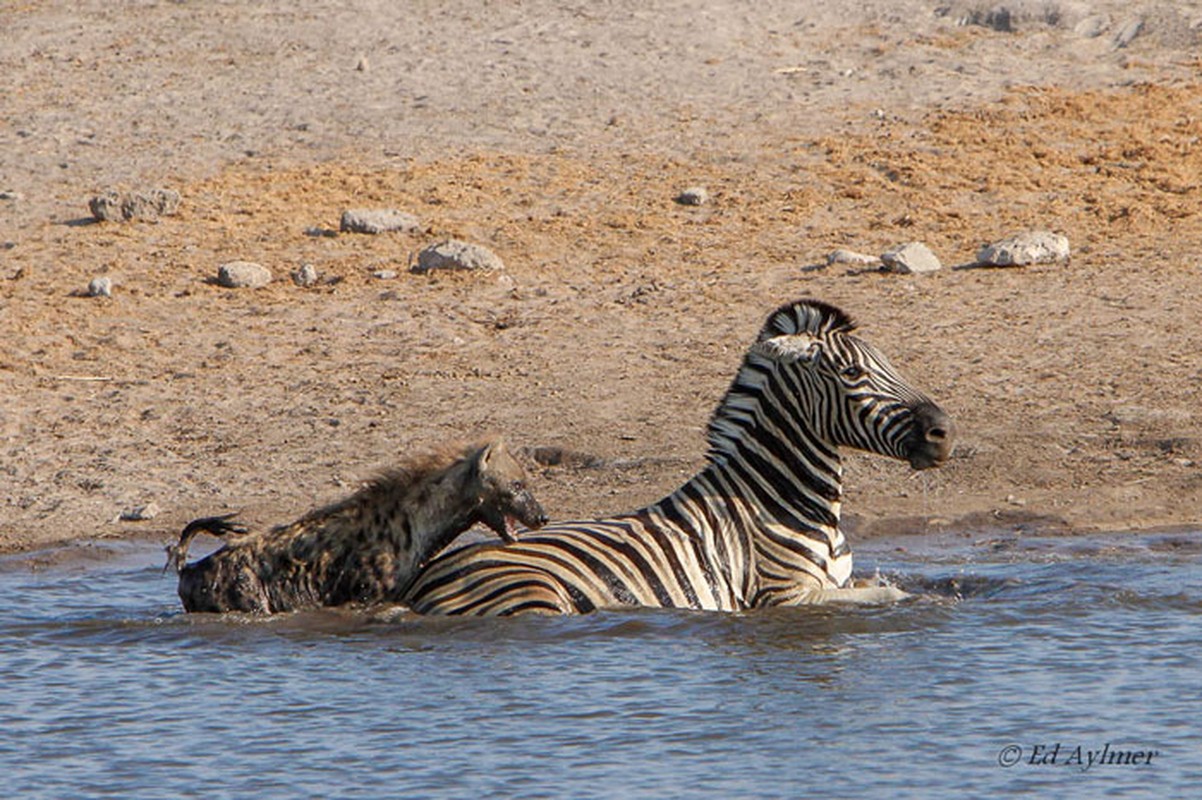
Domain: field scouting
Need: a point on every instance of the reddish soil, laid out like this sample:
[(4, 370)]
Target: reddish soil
[(620, 316)]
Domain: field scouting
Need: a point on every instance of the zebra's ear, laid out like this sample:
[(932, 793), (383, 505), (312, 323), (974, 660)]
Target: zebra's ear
[(789, 348)]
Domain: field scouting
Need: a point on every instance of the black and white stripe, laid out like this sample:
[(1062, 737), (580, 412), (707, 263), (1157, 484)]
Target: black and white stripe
[(758, 526)]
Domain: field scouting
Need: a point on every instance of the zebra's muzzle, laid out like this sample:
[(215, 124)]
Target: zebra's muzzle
[(930, 443)]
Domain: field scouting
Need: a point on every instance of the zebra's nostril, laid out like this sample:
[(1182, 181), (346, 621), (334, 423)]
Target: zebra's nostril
[(936, 435)]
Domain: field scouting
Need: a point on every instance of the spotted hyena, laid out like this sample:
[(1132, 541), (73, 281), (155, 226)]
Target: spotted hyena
[(365, 548)]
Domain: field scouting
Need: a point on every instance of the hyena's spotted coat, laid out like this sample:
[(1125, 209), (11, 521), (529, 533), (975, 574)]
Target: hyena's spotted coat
[(366, 548)]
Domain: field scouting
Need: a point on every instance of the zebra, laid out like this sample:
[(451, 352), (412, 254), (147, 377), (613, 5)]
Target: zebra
[(758, 526)]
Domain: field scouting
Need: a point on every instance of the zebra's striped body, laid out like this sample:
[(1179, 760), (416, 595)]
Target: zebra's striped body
[(758, 526)]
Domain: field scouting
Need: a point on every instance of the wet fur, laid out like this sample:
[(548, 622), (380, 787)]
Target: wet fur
[(365, 548)]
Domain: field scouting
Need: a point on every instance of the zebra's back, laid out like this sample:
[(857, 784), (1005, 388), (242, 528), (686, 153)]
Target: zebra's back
[(576, 567)]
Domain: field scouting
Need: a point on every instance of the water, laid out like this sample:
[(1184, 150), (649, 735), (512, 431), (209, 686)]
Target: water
[(107, 689)]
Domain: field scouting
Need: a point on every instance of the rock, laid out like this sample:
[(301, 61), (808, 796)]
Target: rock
[(1092, 26), (243, 275), (693, 196), (384, 274), (1127, 32), (1031, 247), (554, 456), (998, 18), (100, 287), (382, 220), (141, 513), (305, 276), (1146, 416), (454, 254), (852, 258), (111, 206), (913, 258), (361, 65), (150, 205), (16, 197), (106, 207)]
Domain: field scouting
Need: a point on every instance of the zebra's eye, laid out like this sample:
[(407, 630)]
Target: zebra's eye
[(852, 372)]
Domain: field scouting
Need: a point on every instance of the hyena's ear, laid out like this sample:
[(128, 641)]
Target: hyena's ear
[(490, 453), (789, 348)]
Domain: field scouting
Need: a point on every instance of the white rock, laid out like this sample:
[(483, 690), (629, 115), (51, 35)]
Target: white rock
[(305, 276), (1132, 414), (149, 204), (384, 274), (913, 258), (243, 275), (1092, 26), (454, 254), (1127, 32), (999, 18), (1031, 247), (694, 196), (106, 207), (141, 513), (379, 220), (852, 258), (100, 287)]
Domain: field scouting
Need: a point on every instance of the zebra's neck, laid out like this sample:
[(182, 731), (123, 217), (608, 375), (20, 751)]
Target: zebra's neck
[(768, 503)]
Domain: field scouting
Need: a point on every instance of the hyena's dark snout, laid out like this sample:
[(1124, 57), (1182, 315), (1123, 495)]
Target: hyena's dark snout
[(506, 513), (529, 511)]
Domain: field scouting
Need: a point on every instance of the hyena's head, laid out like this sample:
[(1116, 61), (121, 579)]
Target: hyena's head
[(505, 500)]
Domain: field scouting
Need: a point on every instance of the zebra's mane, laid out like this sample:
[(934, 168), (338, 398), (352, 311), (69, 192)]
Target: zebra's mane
[(806, 316), (737, 409)]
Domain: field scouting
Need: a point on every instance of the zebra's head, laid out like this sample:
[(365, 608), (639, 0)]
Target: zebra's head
[(810, 381)]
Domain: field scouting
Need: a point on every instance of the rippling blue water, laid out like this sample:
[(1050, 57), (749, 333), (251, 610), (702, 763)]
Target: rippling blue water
[(109, 690)]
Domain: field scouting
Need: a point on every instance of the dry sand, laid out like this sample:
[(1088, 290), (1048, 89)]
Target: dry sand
[(557, 134)]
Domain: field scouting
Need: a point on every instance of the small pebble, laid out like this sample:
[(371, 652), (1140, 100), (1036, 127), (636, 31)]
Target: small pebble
[(693, 196), (998, 18), (1127, 32), (305, 276), (150, 204), (380, 220), (243, 275), (1092, 26), (106, 207), (911, 259), (384, 274), (852, 258), (456, 255), (100, 287), (141, 513), (1030, 247)]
